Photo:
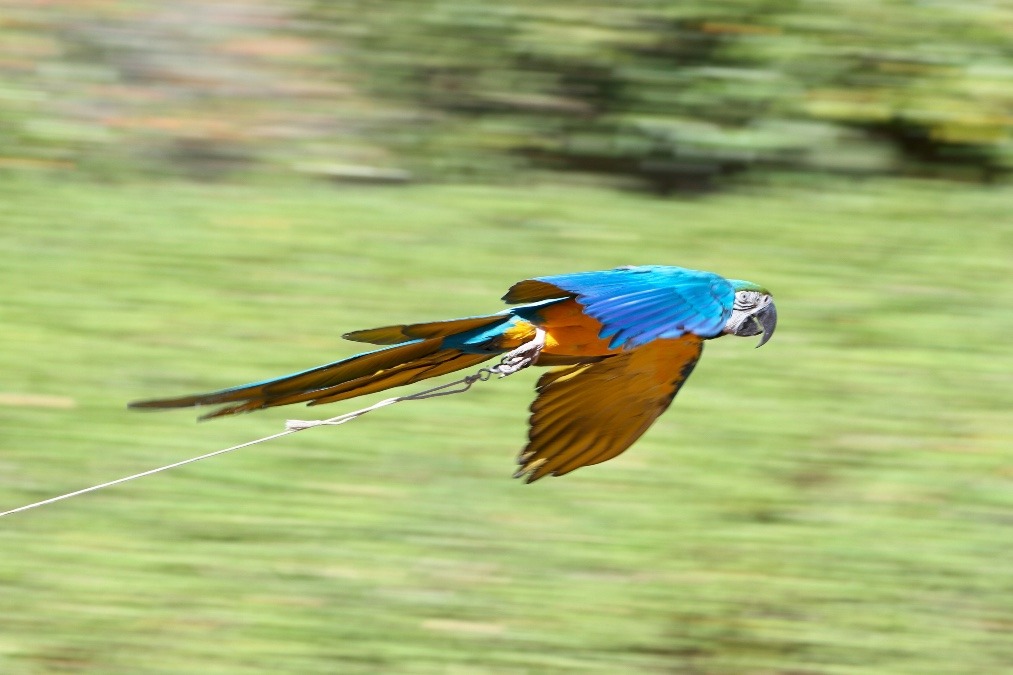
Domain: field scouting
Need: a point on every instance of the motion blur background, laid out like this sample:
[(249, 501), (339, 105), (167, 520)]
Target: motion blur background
[(195, 194)]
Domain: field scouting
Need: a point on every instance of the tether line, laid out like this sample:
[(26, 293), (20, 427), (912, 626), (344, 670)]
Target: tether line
[(293, 426)]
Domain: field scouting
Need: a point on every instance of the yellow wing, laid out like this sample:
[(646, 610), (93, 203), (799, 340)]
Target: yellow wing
[(590, 413)]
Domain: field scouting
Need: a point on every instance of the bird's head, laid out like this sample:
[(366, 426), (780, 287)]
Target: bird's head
[(753, 312)]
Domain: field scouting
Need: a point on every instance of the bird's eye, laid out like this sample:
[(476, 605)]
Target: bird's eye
[(745, 301)]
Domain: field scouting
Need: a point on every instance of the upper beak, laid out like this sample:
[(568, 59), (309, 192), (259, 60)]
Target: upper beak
[(767, 318)]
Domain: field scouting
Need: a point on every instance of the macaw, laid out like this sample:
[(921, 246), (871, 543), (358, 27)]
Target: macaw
[(623, 340)]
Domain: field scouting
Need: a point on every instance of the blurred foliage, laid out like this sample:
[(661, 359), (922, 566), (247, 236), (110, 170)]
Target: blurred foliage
[(196, 89), (681, 94), (675, 95)]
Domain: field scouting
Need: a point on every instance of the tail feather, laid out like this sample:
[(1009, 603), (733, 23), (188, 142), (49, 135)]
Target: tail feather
[(399, 333), (445, 361), (416, 352), (354, 376)]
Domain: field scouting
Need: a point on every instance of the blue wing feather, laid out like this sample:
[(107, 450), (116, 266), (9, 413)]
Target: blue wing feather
[(636, 305)]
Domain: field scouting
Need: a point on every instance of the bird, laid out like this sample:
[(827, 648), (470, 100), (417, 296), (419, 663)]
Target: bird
[(620, 344)]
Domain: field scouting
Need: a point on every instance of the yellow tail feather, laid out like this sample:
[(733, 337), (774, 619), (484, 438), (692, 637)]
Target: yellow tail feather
[(393, 335)]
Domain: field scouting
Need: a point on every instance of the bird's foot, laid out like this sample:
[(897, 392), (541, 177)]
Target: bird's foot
[(522, 357)]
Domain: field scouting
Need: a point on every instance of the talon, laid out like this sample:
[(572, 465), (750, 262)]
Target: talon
[(523, 356)]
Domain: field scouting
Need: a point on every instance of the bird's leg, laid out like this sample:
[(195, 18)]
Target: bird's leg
[(523, 356)]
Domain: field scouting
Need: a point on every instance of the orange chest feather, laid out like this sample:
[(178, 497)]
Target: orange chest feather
[(568, 332)]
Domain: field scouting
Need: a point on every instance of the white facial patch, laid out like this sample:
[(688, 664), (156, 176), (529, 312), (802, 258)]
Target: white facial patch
[(747, 304)]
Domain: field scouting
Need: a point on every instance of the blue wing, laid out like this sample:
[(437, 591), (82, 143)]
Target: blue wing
[(636, 305)]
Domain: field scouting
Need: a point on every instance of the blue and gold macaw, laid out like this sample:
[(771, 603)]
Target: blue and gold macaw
[(626, 339)]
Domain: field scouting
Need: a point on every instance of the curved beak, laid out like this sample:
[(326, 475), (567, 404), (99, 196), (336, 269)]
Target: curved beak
[(767, 319)]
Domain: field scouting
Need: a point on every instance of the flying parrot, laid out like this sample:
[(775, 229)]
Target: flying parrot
[(623, 342)]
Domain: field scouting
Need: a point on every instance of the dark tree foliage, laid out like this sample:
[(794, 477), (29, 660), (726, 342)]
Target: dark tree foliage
[(684, 94)]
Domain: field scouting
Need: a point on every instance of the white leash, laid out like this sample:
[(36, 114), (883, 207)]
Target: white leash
[(293, 426)]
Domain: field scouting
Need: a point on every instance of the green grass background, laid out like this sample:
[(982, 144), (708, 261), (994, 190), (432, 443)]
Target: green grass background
[(840, 501)]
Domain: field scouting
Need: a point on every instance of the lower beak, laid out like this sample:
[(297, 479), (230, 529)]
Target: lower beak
[(767, 318)]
